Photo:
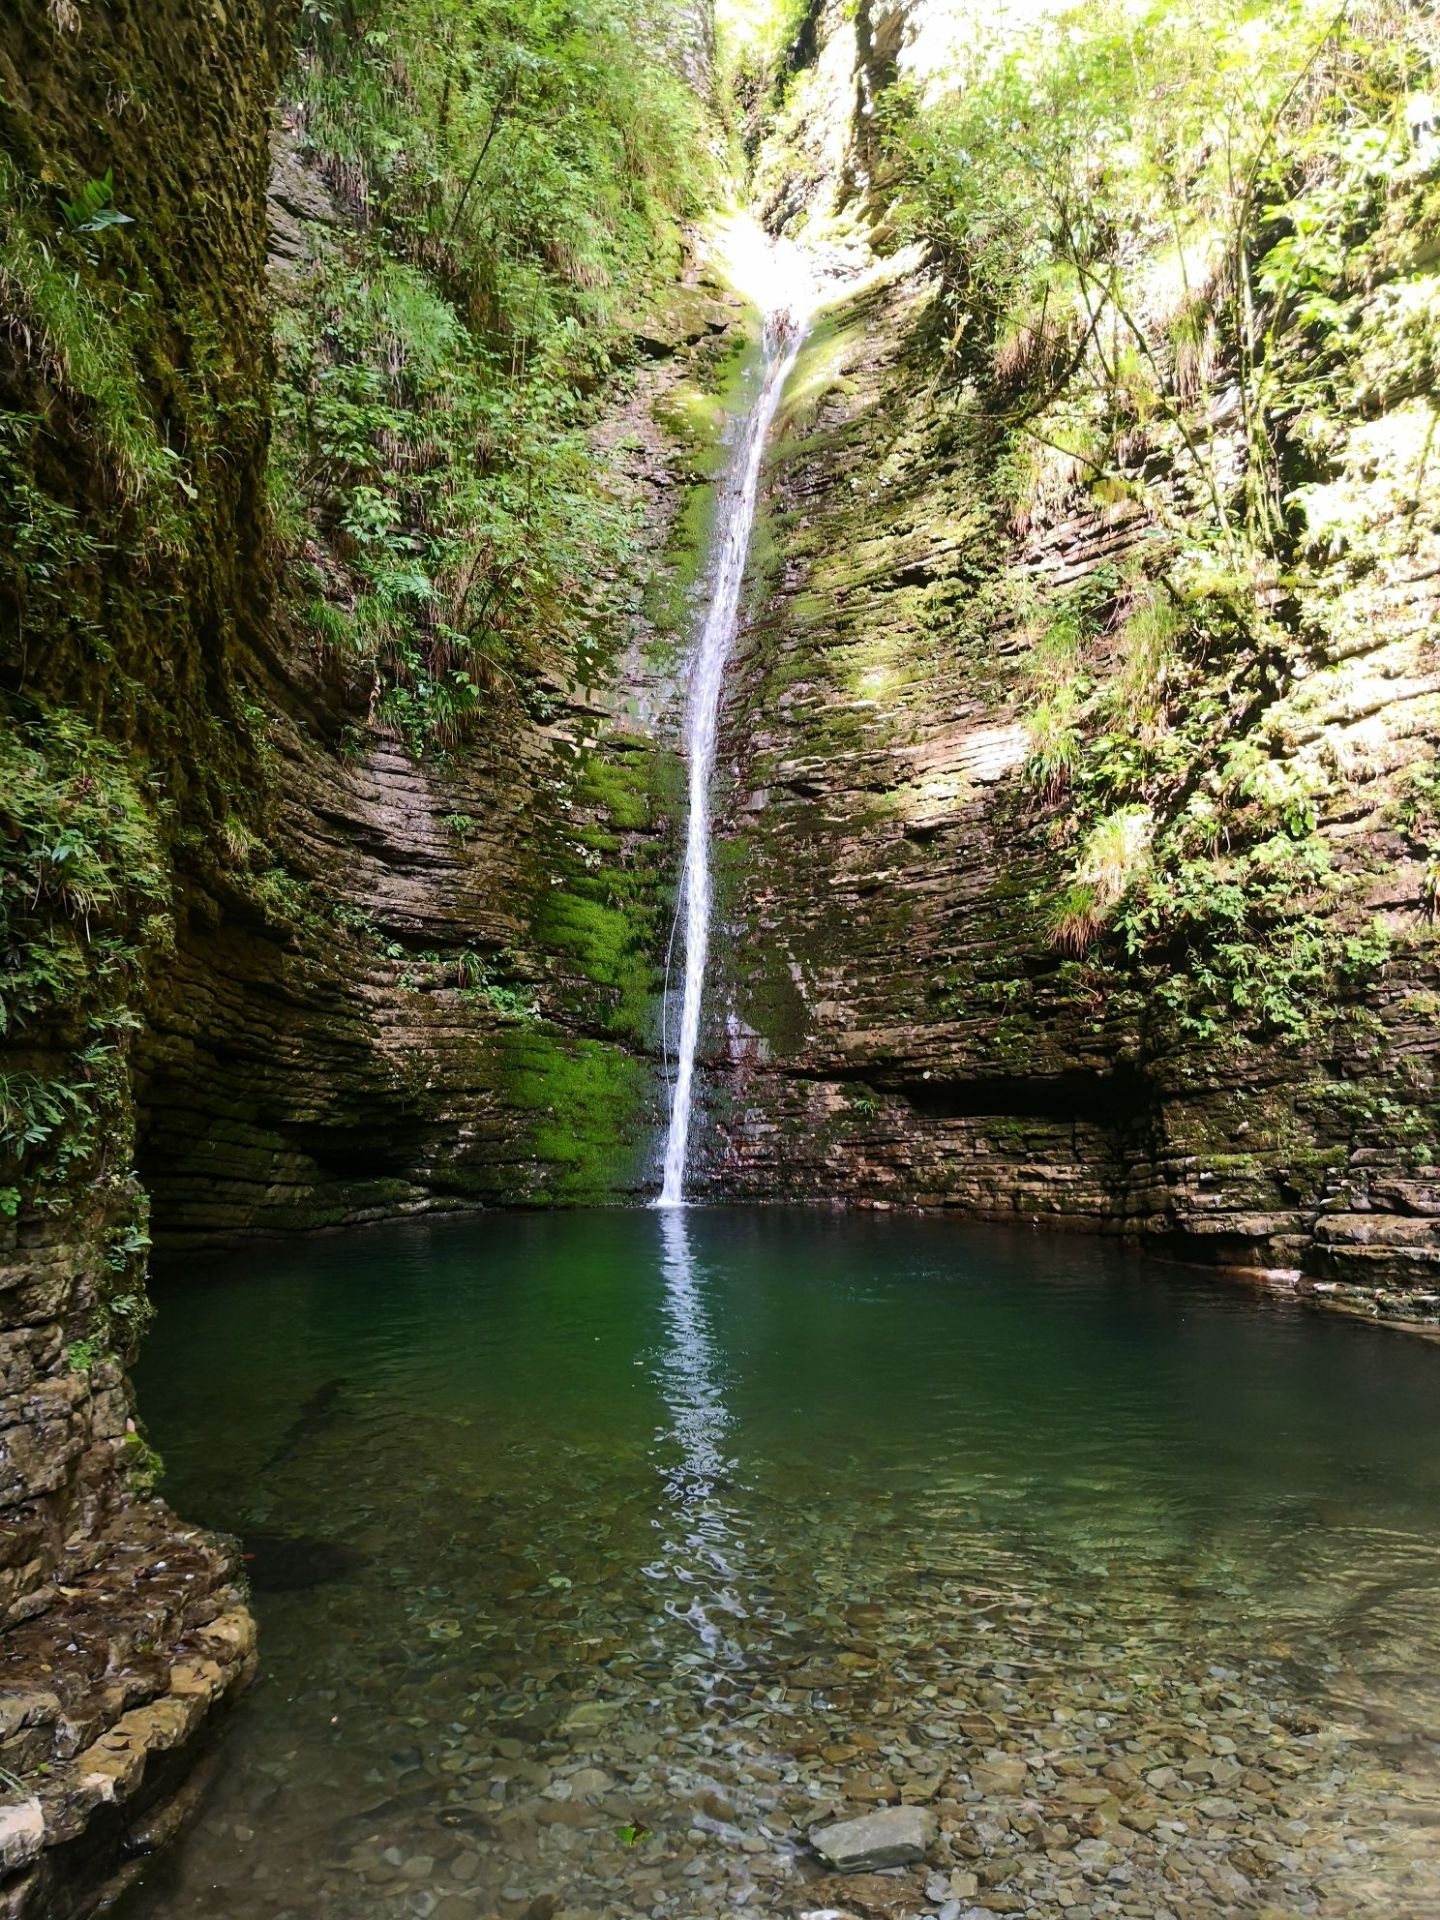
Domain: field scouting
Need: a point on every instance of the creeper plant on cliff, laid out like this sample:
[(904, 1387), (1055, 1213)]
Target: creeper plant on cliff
[(514, 178), (1159, 232)]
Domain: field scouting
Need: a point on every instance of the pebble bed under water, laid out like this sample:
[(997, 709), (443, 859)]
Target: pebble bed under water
[(600, 1557)]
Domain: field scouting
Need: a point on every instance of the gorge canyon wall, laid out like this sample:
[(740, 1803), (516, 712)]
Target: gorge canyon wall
[(898, 1020), (900, 1025), (269, 967)]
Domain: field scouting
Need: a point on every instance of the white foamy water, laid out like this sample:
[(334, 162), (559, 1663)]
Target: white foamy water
[(784, 332)]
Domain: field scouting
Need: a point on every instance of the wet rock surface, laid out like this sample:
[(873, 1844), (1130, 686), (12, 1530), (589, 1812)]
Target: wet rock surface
[(107, 1696), (893, 1023), (893, 1837)]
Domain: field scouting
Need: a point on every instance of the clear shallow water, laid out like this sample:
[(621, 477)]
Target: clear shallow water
[(599, 1555)]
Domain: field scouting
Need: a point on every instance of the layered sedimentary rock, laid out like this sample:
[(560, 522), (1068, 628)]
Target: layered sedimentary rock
[(412, 992), (896, 1022), (123, 1629), (411, 983)]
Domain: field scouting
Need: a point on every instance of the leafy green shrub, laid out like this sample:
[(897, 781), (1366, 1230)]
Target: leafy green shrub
[(93, 209), (515, 175), (79, 861), (1121, 200)]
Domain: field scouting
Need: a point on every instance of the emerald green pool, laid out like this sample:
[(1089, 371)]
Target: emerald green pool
[(599, 1556)]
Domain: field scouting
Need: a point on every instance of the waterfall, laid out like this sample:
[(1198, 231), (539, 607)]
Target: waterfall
[(784, 331)]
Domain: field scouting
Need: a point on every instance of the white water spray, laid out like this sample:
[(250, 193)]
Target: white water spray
[(784, 331)]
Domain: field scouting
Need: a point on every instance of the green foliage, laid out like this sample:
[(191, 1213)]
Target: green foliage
[(47, 545), (143, 1466), (518, 173), (758, 43), (82, 896), (1416, 809), (488, 981), (284, 896), (1247, 957), (862, 1101), (93, 209), (1073, 918), (32, 1109), (1056, 747), (510, 1003), (1198, 874), (125, 1316), (81, 325), (536, 153), (1119, 199), (355, 919), (79, 864), (1147, 641), (465, 527), (1114, 854), (1146, 221)]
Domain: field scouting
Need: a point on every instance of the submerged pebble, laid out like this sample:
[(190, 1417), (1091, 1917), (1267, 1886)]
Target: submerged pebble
[(1097, 1688)]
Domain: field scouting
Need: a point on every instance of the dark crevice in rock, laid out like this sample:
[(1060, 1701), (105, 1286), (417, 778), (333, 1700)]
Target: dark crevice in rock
[(1116, 1099)]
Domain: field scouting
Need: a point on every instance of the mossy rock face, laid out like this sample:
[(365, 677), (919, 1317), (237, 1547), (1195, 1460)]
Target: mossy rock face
[(888, 865), (684, 317), (134, 589), (339, 958), (956, 864)]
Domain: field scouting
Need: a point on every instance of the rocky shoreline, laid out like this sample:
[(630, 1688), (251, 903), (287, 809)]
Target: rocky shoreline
[(108, 1697)]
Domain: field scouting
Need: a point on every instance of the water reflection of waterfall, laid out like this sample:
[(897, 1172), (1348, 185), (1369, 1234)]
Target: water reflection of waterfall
[(702, 1529), (784, 331)]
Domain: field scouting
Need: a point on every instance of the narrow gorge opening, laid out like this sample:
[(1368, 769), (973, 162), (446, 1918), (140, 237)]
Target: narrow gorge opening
[(664, 681)]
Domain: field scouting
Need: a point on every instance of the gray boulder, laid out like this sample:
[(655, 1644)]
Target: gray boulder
[(889, 1837)]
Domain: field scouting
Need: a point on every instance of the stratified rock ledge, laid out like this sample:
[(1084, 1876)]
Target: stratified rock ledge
[(115, 1685)]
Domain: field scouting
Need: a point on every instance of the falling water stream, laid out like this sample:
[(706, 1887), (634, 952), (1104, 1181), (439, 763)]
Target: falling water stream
[(784, 332)]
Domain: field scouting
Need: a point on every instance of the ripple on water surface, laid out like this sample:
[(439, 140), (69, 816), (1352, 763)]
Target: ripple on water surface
[(599, 1557)]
